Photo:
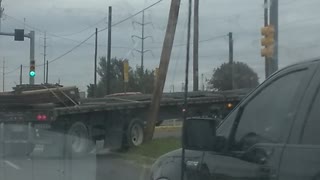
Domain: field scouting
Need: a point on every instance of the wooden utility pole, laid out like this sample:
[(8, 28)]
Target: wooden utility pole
[(266, 23), (47, 72), (231, 63), (202, 82), (95, 64), (109, 50), (163, 68), (3, 73), (196, 46), (21, 74)]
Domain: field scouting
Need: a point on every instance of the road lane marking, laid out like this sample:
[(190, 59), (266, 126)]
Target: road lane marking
[(12, 165)]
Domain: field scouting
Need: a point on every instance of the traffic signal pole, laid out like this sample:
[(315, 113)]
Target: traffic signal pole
[(32, 49), (31, 36), (266, 23), (274, 22)]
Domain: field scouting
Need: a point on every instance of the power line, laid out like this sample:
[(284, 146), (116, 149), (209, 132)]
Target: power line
[(72, 49), (21, 22), (78, 45), (115, 24), (30, 27), (92, 26), (135, 14), (119, 22), (202, 41), (9, 72)]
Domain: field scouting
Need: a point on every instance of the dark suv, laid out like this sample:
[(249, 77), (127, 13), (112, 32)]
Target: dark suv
[(274, 133)]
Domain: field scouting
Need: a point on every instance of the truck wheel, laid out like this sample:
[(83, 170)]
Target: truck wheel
[(135, 135), (78, 140)]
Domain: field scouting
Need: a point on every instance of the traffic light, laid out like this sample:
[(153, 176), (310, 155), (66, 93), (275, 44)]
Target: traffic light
[(267, 41), (32, 72), (19, 34)]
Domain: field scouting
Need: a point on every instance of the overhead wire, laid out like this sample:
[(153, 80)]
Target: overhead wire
[(9, 72), (179, 53), (135, 14), (117, 23), (201, 41), (91, 26), (84, 41)]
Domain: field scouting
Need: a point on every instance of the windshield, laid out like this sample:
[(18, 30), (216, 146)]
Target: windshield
[(102, 89)]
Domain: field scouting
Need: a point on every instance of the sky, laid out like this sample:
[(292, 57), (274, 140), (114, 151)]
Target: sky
[(69, 22)]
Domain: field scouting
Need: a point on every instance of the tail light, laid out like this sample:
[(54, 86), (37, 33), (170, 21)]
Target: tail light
[(42, 117)]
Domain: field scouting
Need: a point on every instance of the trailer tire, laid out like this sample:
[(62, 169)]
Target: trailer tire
[(135, 133), (78, 140)]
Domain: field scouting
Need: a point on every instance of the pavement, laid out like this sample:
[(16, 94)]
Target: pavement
[(101, 166), (96, 166)]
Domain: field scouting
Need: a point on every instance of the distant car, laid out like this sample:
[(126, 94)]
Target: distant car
[(272, 134)]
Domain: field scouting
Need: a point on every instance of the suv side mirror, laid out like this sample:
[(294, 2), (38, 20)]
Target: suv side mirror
[(200, 134)]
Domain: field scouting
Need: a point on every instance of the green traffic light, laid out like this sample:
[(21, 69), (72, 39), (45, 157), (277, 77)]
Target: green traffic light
[(32, 74)]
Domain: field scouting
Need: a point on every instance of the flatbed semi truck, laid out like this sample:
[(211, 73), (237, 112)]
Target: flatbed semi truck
[(28, 114)]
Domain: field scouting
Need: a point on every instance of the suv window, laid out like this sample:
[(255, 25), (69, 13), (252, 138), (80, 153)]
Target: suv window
[(311, 130), (266, 117)]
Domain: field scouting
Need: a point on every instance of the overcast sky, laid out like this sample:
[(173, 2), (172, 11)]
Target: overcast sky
[(68, 22)]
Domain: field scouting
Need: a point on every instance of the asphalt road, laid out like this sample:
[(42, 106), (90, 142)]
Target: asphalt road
[(107, 166), (111, 167), (92, 167), (40, 168)]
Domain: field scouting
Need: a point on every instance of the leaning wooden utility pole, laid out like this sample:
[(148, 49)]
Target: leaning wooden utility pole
[(163, 68)]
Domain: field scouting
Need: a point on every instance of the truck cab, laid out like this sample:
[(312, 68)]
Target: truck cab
[(272, 134)]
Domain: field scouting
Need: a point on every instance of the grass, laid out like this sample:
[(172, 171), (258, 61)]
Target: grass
[(148, 152), (167, 128), (156, 147)]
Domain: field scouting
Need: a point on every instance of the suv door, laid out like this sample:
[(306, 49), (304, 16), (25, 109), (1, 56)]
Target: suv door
[(258, 129), (301, 156)]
